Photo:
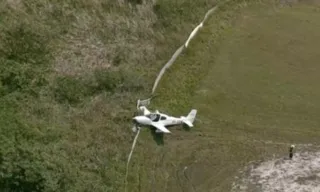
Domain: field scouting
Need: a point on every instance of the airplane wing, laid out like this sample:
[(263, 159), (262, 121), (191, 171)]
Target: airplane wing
[(145, 110), (161, 127)]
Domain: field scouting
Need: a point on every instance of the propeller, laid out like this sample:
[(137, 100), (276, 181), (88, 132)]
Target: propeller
[(135, 126)]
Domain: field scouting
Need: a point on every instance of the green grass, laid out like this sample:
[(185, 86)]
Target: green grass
[(71, 72), (257, 82)]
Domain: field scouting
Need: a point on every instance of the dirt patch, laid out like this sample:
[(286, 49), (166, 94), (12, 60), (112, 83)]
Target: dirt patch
[(300, 174)]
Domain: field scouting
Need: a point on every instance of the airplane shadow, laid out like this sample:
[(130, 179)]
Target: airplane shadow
[(157, 137), (186, 127)]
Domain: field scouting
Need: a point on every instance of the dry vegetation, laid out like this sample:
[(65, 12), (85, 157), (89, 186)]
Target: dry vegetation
[(71, 72)]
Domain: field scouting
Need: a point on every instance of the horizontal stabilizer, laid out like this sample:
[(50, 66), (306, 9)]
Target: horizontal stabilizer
[(187, 122)]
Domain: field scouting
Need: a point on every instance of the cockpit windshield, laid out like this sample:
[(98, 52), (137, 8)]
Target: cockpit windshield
[(154, 117)]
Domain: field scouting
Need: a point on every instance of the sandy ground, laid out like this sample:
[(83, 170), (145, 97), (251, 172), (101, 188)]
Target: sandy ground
[(301, 174)]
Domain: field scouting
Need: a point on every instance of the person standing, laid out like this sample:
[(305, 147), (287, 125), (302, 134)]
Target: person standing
[(291, 151)]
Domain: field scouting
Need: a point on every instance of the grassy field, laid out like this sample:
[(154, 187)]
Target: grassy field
[(71, 72), (254, 87)]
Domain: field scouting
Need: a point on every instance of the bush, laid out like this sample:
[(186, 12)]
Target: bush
[(108, 80), (24, 46), (131, 82), (19, 168), (122, 81), (17, 78), (24, 58), (72, 90)]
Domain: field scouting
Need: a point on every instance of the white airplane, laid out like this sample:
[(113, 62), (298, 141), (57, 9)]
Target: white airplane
[(160, 120)]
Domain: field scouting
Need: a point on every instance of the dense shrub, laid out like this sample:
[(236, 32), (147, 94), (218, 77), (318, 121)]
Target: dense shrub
[(71, 90), (23, 45), (19, 168), (24, 59), (108, 80)]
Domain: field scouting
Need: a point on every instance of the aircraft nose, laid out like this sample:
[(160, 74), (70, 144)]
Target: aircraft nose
[(134, 120), (141, 120)]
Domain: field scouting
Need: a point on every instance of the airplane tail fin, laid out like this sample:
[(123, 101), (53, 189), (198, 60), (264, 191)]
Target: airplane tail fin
[(190, 118)]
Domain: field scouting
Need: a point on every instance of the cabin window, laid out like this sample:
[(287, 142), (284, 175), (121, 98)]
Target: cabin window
[(154, 117), (163, 118)]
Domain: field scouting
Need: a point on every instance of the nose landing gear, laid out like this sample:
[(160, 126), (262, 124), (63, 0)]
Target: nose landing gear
[(135, 127)]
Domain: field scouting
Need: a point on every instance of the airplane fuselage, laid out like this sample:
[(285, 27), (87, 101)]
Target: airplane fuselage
[(165, 120), (160, 121), (172, 121)]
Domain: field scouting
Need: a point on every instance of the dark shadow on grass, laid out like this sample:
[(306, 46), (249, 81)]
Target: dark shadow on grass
[(186, 127), (157, 137), (135, 2)]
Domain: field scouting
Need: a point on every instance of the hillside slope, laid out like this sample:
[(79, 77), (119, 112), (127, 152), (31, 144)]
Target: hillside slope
[(71, 72)]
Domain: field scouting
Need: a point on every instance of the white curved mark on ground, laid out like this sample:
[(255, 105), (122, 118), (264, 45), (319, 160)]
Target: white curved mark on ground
[(167, 65), (129, 158), (300, 174), (180, 49)]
